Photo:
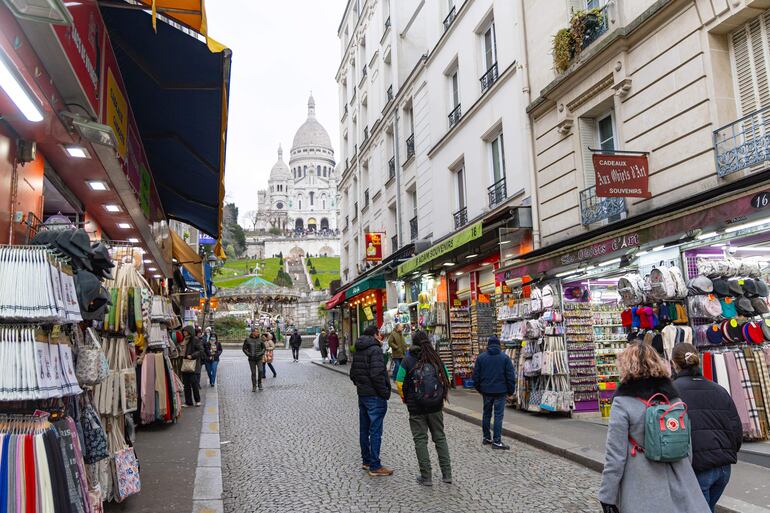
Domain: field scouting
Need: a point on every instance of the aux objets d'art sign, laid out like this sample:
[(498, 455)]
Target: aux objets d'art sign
[(621, 176)]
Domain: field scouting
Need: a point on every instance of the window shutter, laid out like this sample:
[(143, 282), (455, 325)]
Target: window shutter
[(587, 129), (744, 73), (750, 46)]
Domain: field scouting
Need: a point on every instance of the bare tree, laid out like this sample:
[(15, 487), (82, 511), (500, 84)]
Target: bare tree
[(252, 216)]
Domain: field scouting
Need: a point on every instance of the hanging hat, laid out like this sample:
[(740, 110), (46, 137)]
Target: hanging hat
[(728, 307), (744, 306), (760, 305), (700, 285), (721, 288), (753, 333), (92, 296), (714, 334), (765, 325), (736, 287), (761, 285), (45, 237), (734, 331), (749, 288), (625, 318), (77, 245)]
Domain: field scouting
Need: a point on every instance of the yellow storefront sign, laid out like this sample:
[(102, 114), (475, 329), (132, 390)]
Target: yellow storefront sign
[(473, 232), (117, 113)]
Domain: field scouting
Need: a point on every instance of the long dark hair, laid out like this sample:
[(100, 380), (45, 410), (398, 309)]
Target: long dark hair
[(427, 354)]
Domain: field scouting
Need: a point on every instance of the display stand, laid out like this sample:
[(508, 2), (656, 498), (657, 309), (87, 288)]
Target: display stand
[(462, 347)]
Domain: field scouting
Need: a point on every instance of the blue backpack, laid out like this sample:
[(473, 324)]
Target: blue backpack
[(666, 430)]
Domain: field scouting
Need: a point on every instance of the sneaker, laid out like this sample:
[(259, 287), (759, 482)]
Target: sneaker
[(365, 466), (486, 441), (197, 404), (501, 446), (253, 388), (260, 387), (185, 406), (382, 471), (447, 480), (425, 481)]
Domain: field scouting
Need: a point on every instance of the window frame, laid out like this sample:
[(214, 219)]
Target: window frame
[(611, 116), (489, 28), (499, 137)]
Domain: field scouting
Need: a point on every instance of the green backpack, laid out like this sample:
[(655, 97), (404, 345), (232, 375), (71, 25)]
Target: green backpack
[(666, 430)]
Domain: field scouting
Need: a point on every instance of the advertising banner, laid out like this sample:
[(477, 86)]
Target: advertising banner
[(455, 241), (374, 246), (621, 176)]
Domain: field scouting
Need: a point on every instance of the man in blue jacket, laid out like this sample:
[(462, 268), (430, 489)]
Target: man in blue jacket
[(494, 377)]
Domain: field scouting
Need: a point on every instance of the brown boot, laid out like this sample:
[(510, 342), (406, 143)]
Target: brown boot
[(382, 471)]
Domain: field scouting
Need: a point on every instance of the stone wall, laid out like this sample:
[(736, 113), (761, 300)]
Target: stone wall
[(265, 247)]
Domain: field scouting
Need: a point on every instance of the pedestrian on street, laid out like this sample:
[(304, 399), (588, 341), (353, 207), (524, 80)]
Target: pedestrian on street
[(716, 428), (334, 343), (397, 347), (631, 481), (494, 377), (269, 348), (323, 345), (295, 342), (212, 349), (369, 375), (190, 380), (423, 384), (254, 349)]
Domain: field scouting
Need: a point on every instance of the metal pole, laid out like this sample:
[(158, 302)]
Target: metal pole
[(396, 145)]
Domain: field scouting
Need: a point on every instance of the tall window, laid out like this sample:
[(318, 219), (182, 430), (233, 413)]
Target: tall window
[(460, 187), (595, 132), (606, 131), (454, 90), (497, 158), (490, 48), (312, 194)]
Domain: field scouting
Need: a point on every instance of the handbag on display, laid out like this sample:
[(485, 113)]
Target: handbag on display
[(94, 437), (92, 367), (536, 300), (547, 295), (126, 470)]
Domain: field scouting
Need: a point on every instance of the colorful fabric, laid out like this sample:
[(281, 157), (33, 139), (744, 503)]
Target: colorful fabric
[(764, 385), (721, 371), (755, 430), (736, 391), (707, 368)]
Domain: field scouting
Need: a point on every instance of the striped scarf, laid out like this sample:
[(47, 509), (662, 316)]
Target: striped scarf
[(764, 384), (748, 393)]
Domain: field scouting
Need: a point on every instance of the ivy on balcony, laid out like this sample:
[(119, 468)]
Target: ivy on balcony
[(585, 27)]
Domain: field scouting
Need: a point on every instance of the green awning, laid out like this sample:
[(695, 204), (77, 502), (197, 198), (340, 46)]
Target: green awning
[(374, 282)]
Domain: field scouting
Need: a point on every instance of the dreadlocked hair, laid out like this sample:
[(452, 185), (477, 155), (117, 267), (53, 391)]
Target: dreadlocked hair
[(428, 355)]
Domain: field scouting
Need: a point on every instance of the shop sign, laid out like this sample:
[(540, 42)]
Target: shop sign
[(82, 43), (374, 246), (621, 176), (601, 248), (117, 113), (369, 283), (368, 313), (761, 201), (473, 232)]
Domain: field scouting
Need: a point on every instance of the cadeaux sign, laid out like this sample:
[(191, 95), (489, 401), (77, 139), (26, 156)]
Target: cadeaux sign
[(374, 246), (621, 176)]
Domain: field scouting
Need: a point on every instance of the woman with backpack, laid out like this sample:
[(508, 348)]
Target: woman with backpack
[(632, 480), (716, 426), (423, 384)]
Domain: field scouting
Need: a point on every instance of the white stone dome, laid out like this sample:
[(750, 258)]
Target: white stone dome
[(280, 171), (311, 133)]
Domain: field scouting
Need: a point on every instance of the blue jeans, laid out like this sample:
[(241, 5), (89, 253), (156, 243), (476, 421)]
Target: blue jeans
[(713, 482), (396, 366), (371, 413), (496, 402), (211, 370)]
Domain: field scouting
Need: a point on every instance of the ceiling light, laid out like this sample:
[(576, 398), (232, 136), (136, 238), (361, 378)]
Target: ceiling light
[(42, 11), (641, 253), (97, 185), (706, 235), (448, 264), (133, 240), (152, 269), (147, 261), (92, 131), (112, 208), (743, 226), (77, 152), (503, 242), (18, 93), (755, 248), (509, 255), (157, 276), (458, 273), (486, 263), (658, 248), (124, 226), (472, 255), (609, 262)]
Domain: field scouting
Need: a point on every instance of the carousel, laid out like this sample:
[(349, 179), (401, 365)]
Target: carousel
[(257, 297)]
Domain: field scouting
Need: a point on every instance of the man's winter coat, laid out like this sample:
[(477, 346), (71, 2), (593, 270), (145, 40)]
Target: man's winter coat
[(405, 383), (254, 348), (295, 340), (368, 370), (397, 344), (493, 373), (714, 422)]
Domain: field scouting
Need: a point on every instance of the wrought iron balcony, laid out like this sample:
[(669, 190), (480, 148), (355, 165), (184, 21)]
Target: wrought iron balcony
[(488, 78), (450, 18), (410, 147), (394, 243), (592, 31), (387, 23), (461, 217), (594, 209), (743, 143), (391, 168), (355, 211), (413, 228), (497, 192), (455, 115), (390, 92)]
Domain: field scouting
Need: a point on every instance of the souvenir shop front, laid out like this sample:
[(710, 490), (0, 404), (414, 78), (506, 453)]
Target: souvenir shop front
[(698, 276), (365, 301)]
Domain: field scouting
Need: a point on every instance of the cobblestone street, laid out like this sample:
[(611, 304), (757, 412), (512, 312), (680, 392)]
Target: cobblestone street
[(294, 447)]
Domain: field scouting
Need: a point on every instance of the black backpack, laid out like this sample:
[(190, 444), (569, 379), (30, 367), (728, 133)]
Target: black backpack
[(342, 357), (428, 390)]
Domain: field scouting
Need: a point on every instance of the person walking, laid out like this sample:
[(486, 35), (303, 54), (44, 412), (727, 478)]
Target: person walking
[(334, 344), (269, 348), (715, 425), (631, 481), (323, 345), (494, 378), (397, 347), (369, 375), (193, 350), (254, 349), (423, 384), (212, 349), (295, 342)]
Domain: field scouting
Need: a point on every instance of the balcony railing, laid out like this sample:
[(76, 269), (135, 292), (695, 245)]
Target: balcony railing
[(366, 200), (394, 243), (497, 192), (450, 18), (410, 146), (355, 211), (390, 92), (413, 228), (461, 217), (594, 209), (488, 78), (391, 168), (455, 115), (744, 143), (592, 31), (387, 23)]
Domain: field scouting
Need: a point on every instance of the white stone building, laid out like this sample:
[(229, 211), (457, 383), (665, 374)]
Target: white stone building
[(302, 196)]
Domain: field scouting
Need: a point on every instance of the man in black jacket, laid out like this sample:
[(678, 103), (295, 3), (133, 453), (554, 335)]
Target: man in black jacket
[(254, 349), (295, 341), (370, 376)]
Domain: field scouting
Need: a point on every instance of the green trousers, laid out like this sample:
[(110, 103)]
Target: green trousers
[(420, 425)]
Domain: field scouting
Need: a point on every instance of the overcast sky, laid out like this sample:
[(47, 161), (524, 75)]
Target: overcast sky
[(282, 49)]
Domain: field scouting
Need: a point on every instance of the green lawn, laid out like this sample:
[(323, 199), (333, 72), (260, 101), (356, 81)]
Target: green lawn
[(235, 272), (328, 270)]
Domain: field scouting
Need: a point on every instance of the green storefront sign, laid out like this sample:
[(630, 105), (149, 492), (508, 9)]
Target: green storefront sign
[(473, 232), (375, 282)]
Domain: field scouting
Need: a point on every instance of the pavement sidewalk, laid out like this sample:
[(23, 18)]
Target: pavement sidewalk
[(582, 441)]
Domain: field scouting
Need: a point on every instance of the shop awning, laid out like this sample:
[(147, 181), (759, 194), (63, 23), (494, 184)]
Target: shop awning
[(178, 89), (336, 299), (373, 282), (187, 257)]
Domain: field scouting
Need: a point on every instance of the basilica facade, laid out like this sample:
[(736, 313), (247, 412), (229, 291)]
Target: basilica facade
[(301, 197)]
